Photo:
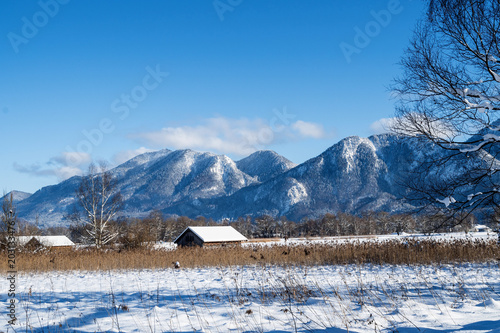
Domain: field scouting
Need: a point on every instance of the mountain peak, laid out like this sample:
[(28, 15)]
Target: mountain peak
[(264, 164), (17, 196)]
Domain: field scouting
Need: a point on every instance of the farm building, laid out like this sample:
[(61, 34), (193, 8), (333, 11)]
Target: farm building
[(209, 236), (35, 242), (481, 228)]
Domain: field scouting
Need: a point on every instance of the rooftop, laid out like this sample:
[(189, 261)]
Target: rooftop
[(216, 234), (49, 241)]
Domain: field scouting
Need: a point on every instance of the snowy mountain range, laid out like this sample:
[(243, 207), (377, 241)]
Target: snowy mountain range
[(354, 175)]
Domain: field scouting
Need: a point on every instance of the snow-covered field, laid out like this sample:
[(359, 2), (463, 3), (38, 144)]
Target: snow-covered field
[(348, 298), (448, 237), (440, 237), (263, 298)]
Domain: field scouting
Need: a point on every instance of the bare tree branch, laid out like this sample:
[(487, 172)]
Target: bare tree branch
[(449, 97)]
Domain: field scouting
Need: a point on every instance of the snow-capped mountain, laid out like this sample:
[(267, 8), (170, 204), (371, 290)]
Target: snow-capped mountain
[(158, 180), (17, 196), (264, 164), (179, 176), (354, 175), (49, 204)]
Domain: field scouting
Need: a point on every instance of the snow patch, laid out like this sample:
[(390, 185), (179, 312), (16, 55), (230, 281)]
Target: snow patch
[(295, 194), (350, 150), (447, 201), (490, 303)]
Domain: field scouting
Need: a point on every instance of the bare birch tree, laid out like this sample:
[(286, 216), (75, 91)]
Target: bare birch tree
[(450, 99), (100, 202)]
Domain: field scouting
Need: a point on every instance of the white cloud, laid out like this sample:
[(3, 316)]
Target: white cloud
[(382, 126), (33, 169), (231, 136), (224, 135), (126, 155), (72, 158), (309, 130), (413, 124), (66, 172), (64, 166)]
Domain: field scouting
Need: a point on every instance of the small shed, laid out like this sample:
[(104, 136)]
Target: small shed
[(481, 228), (210, 236), (35, 242)]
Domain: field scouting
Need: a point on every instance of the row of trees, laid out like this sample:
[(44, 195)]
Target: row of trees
[(133, 233)]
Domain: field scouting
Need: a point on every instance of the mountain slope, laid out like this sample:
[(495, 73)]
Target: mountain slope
[(50, 204)]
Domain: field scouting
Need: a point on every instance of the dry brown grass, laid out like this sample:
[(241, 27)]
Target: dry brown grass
[(390, 252)]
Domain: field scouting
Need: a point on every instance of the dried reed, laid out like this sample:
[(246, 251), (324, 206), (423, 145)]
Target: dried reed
[(390, 252)]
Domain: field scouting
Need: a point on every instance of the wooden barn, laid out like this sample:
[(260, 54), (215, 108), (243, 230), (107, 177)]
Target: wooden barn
[(36, 242), (209, 236)]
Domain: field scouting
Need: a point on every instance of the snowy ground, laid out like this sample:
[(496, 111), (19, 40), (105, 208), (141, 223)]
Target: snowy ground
[(347, 298), (452, 236)]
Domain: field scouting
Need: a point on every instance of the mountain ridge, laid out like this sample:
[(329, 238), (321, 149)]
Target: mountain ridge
[(353, 175), (153, 181)]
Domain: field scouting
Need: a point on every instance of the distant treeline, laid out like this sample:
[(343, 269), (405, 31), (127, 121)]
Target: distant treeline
[(135, 232)]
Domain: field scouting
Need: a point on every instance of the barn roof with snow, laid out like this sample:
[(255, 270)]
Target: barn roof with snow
[(481, 228), (47, 241), (214, 234)]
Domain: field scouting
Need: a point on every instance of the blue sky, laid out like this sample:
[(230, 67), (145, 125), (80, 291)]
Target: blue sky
[(106, 80)]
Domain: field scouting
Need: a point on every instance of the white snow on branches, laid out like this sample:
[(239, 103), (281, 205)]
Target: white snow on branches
[(447, 201)]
